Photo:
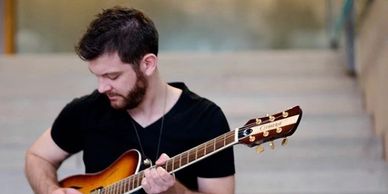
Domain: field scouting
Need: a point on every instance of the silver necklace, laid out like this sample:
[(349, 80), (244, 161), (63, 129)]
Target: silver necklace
[(147, 161)]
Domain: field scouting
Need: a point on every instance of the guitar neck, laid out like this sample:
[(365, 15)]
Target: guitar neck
[(200, 152), (180, 161)]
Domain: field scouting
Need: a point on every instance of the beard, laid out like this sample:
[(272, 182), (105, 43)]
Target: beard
[(134, 97)]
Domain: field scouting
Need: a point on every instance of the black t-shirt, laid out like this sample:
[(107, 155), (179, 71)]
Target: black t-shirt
[(91, 125)]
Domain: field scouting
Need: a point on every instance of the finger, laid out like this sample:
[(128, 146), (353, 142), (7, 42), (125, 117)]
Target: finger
[(59, 191), (66, 191), (162, 159), (145, 185), (151, 176), (156, 180), (72, 191), (166, 177)]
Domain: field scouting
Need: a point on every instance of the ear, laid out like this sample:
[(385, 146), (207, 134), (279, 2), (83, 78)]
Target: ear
[(149, 64)]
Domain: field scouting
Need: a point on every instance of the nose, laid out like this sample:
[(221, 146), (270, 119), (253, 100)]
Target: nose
[(103, 86)]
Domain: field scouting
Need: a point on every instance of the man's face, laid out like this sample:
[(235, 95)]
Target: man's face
[(120, 82)]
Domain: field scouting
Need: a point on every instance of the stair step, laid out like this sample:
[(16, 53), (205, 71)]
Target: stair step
[(312, 104)]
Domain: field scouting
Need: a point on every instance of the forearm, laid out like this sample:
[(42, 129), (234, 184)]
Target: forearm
[(41, 174), (178, 188)]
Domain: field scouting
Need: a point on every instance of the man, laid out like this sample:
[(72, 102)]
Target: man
[(133, 108)]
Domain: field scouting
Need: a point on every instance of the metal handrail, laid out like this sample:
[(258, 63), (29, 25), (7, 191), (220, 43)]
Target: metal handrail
[(346, 22)]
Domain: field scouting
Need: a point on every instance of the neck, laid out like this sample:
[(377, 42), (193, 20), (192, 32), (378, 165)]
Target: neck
[(159, 99)]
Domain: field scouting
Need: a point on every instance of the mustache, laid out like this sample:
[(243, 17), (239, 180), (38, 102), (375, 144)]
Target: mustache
[(113, 94)]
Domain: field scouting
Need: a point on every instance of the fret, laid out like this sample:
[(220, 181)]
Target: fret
[(183, 160), (224, 137), (211, 147), (219, 143), (139, 177), (111, 189), (230, 139), (169, 166), (191, 155), (187, 155), (133, 181), (127, 183), (204, 150), (177, 162), (126, 186), (129, 186), (172, 165), (121, 187), (201, 151), (108, 189), (174, 161), (180, 160), (214, 144), (114, 188), (136, 180)]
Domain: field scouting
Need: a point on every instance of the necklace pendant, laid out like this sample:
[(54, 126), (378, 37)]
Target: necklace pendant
[(147, 162)]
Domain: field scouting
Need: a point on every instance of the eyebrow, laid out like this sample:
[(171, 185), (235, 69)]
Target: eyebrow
[(105, 74)]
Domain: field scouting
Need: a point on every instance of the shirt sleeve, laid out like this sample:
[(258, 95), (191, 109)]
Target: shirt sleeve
[(220, 164), (66, 130)]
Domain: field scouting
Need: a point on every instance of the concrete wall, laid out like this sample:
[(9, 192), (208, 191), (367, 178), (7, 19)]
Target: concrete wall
[(47, 26), (372, 66)]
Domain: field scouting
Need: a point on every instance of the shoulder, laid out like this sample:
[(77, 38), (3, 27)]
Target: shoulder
[(90, 101), (200, 114), (92, 98), (190, 99), (83, 106)]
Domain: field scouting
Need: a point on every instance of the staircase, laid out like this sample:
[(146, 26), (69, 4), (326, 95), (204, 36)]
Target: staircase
[(334, 149)]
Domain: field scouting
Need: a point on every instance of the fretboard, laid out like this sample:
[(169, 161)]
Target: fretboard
[(133, 182)]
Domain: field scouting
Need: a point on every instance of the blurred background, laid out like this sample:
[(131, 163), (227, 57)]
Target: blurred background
[(252, 57), (43, 26)]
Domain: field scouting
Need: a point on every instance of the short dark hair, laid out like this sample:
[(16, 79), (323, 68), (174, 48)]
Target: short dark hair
[(126, 31)]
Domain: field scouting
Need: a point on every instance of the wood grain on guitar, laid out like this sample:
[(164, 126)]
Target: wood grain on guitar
[(123, 175)]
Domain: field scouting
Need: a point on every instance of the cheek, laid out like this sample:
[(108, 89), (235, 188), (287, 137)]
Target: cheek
[(125, 84)]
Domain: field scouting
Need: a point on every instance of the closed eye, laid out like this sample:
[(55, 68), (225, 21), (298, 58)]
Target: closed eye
[(112, 76)]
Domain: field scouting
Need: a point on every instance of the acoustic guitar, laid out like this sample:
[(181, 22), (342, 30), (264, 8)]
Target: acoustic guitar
[(123, 175)]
